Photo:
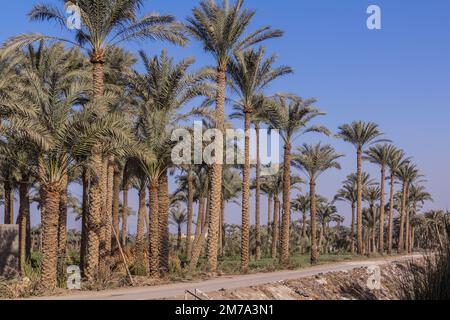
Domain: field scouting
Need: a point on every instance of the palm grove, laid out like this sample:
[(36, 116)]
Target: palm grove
[(75, 111)]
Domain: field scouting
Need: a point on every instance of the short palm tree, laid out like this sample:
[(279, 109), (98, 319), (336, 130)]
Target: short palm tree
[(221, 29), (251, 73), (178, 217), (315, 160), (360, 135), (380, 155), (371, 195), (292, 116)]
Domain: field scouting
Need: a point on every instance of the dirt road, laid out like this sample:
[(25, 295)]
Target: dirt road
[(225, 282)]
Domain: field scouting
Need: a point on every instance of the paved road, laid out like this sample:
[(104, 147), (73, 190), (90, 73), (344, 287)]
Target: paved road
[(226, 282)]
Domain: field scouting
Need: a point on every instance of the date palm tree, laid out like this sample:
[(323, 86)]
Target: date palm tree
[(407, 174), (315, 160), (371, 195), (380, 155), (251, 73), (221, 29), (396, 160), (360, 135), (103, 24), (178, 217), (417, 197), (292, 116)]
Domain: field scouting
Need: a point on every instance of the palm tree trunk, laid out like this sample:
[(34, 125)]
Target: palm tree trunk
[(314, 250), (24, 221), (9, 200), (222, 229), (286, 217), (117, 180), (198, 247), (163, 220), (258, 196), (401, 244), (200, 218), (216, 175), (352, 233), (50, 197), (391, 213), (245, 230), (269, 221), (62, 228), (359, 201), (124, 216), (275, 227), (140, 230), (84, 221), (407, 224), (94, 219), (154, 228), (381, 235), (179, 238), (106, 231), (190, 215)]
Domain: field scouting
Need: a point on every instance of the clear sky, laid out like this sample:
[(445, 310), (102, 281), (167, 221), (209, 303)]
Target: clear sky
[(398, 77)]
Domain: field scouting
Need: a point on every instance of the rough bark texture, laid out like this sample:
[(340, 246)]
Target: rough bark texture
[(190, 215), (314, 251), (62, 227), (198, 247), (215, 173), (84, 221), (117, 180), (407, 224), (359, 202), (124, 217), (50, 194), (140, 231), (382, 203), (9, 202), (94, 220), (391, 213), (200, 219), (275, 228), (286, 217), (269, 221), (401, 244), (24, 221), (154, 229), (222, 229), (245, 227), (163, 221), (105, 232), (352, 234), (258, 196)]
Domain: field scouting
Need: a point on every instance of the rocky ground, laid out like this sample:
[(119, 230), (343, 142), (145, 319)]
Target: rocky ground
[(344, 285)]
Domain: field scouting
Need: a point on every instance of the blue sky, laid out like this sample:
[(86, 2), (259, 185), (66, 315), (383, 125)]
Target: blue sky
[(398, 77)]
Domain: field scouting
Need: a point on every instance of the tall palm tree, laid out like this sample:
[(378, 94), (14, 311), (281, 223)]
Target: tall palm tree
[(104, 24), (396, 160), (360, 135), (251, 73), (407, 174), (380, 155), (417, 196), (221, 29), (292, 116), (315, 160)]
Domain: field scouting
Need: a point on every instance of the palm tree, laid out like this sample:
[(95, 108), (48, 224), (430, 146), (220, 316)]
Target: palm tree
[(302, 204), (104, 24), (349, 193), (178, 217), (380, 155), (407, 174), (326, 213), (315, 160), (360, 135), (291, 115), (371, 195), (221, 28), (417, 196), (396, 160), (251, 74)]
